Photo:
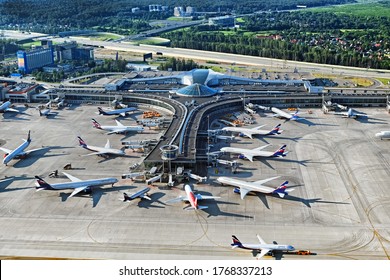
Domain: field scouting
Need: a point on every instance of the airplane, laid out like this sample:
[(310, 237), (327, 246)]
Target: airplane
[(257, 152), (351, 113), (101, 151), (5, 107), (118, 128), (244, 187), (122, 112), (45, 112), (192, 199), (140, 194), (77, 184), (249, 132), (264, 247), (284, 115), (383, 135), (19, 152)]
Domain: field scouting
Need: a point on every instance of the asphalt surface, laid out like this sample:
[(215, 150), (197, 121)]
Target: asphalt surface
[(339, 208)]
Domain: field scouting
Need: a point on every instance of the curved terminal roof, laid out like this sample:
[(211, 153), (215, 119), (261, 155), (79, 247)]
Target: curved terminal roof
[(199, 76), (196, 90)]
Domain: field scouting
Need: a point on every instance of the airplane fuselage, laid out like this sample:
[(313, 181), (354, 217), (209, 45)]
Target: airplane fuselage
[(246, 151), (244, 184), (88, 183), (125, 128), (139, 193), (4, 106), (270, 247), (18, 152), (191, 196), (104, 150)]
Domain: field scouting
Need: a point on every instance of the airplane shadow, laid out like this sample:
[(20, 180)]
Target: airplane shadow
[(370, 120), (300, 162), (214, 210), (7, 181), (96, 193), (307, 202), (143, 203)]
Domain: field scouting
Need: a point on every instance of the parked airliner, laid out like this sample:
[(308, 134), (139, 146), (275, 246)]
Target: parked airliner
[(262, 246), (101, 151), (257, 152), (118, 128), (77, 184), (192, 199), (244, 187), (351, 113), (249, 132), (19, 152), (284, 115), (143, 194), (122, 112), (5, 107)]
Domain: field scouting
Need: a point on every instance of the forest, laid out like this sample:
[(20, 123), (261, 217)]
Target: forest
[(326, 37), (51, 17)]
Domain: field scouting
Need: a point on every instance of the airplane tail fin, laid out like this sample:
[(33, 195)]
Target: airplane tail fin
[(28, 137), (281, 152), (82, 142), (236, 243), (101, 111), (282, 190), (42, 185), (126, 197), (276, 130), (96, 124)]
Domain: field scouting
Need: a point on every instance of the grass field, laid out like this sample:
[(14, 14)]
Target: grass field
[(360, 9)]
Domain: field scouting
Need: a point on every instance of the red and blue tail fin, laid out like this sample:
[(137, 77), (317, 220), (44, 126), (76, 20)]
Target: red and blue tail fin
[(42, 185), (281, 191), (81, 142), (96, 124), (275, 130), (281, 152), (236, 243)]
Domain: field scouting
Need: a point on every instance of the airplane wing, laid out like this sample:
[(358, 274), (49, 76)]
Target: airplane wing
[(11, 110), (263, 253), (200, 197), (244, 192), (72, 178), (118, 123), (95, 153), (108, 146), (77, 190), (34, 150), (177, 199), (248, 156), (260, 182), (262, 147), (260, 239), (5, 150), (117, 130)]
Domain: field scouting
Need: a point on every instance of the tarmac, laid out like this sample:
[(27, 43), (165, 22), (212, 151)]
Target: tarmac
[(339, 208)]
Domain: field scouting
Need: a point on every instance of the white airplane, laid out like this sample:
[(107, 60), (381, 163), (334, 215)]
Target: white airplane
[(257, 152), (101, 151), (264, 247), (249, 132), (244, 187), (5, 107), (19, 152), (192, 199), (118, 128), (351, 113), (45, 112), (143, 194), (284, 115), (122, 112), (77, 184), (383, 135)]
